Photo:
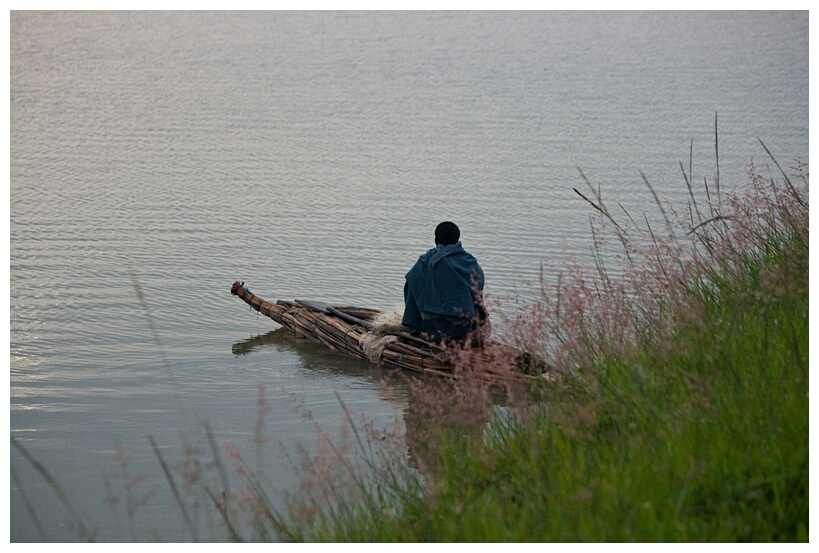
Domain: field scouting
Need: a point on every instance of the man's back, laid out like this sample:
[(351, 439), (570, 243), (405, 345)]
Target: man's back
[(443, 290)]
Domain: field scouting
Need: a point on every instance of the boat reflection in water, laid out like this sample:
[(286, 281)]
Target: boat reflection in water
[(316, 356), (243, 347), (431, 406)]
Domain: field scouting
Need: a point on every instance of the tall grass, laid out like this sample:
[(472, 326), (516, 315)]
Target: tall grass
[(677, 408)]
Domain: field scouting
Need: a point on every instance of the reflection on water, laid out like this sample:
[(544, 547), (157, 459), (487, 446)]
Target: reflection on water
[(243, 347), (320, 359), (431, 406)]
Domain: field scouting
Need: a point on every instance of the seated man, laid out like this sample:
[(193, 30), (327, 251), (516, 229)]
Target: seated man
[(443, 295)]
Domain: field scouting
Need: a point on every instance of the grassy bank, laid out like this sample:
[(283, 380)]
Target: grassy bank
[(679, 405)]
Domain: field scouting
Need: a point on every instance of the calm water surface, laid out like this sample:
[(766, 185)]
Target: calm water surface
[(311, 155)]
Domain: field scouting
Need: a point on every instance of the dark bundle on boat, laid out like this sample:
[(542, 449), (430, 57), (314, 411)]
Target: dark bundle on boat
[(352, 330)]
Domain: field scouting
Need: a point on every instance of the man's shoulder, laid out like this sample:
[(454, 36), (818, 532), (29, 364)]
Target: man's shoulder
[(427, 255), (422, 261), (466, 255)]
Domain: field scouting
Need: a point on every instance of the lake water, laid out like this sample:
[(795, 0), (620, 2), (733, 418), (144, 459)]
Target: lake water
[(311, 154)]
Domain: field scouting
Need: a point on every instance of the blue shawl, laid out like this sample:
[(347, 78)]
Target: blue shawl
[(445, 281)]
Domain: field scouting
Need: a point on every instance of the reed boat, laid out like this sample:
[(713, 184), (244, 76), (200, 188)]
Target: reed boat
[(355, 331)]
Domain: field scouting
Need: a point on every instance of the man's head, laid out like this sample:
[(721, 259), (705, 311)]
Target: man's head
[(447, 233)]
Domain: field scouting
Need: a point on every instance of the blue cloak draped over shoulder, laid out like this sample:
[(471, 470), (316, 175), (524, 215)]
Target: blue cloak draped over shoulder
[(444, 282)]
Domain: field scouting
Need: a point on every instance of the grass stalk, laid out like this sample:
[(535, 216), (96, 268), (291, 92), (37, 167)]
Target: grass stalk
[(83, 529), (29, 507), (177, 495)]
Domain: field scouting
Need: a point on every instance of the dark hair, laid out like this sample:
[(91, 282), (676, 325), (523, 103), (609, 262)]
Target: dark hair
[(447, 233)]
